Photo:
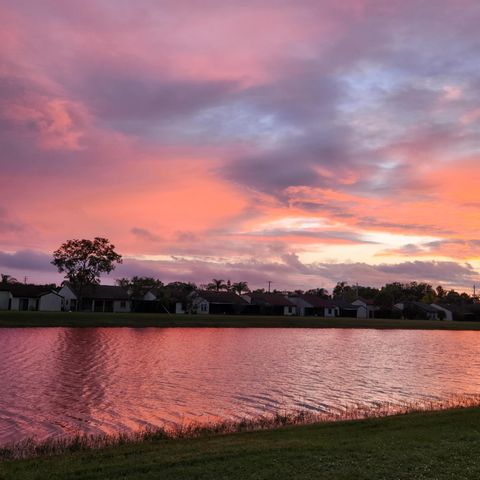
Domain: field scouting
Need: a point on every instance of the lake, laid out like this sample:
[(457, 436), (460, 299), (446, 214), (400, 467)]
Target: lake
[(63, 381)]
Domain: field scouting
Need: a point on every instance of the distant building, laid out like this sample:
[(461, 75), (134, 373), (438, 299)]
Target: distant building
[(446, 312), (96, 298), (349, 310), (367, 308), (30, 297), (270, 303), (417, 310), (311, 305), (210, 302)]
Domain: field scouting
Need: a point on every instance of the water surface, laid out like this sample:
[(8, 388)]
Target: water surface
[(57, 381)]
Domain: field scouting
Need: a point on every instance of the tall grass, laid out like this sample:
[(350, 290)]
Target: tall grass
[(30, 448)]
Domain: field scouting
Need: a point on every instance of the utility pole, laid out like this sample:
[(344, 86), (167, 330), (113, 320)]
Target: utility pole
[(269, 283)]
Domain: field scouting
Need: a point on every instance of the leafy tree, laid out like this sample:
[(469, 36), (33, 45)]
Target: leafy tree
[(83, 261), (319, 292), (441, 292), (139, 285), (186, 287), (345, 292)]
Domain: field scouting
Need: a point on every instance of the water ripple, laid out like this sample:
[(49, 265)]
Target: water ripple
[(62, 381)]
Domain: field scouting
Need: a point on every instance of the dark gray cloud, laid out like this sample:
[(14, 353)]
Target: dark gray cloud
[(138, 101), (290, 272), (27, 260)]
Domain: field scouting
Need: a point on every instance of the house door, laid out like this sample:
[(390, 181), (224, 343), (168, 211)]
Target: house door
[(23, 304)]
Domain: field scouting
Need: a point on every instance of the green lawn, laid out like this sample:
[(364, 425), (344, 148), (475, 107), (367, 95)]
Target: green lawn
[(69, 319), (441, 445)]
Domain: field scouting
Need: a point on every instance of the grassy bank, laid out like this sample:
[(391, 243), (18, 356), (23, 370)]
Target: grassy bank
[(436, 445), (81, 319)]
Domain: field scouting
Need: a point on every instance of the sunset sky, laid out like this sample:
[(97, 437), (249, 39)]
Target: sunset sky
[(304, 142)]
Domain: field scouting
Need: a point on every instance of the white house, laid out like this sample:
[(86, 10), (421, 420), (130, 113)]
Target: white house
[(366, 309), (97, 298), (30, 297), (417, 310), (448, 314), (208, 302), (311, 305), (271, 303)]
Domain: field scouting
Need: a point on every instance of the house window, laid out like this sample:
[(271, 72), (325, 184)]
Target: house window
[(203, 307), (123, 304)]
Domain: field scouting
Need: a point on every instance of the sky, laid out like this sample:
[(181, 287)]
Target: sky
[(303, 142)]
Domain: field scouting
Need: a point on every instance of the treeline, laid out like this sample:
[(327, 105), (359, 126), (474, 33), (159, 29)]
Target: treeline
[(396, 292), (386, 296)]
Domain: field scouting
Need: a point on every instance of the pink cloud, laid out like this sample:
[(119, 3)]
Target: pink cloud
[(187, 129)]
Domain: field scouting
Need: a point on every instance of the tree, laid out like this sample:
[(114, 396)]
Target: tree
[(139, 285), (318, 292), (240, 287), (217, 284), (7, 279), (83, 261)]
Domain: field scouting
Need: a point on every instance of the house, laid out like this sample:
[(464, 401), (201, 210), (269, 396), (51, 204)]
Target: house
[(211, 302), (166, 300), (30, 297), (311, 305), (96, 298), (349, 310), (446, 312), (271, 303), (367, 308), (417, 310), (468, 312)]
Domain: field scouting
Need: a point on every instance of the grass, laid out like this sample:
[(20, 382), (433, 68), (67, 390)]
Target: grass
[(87, 319), (429, 445)]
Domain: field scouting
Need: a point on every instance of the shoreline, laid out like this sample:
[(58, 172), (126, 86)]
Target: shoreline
[(418, 444), (30, 448), (9, 319)]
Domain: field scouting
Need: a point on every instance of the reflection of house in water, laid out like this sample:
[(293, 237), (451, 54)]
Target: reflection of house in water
[(30, 297), (97, 298)]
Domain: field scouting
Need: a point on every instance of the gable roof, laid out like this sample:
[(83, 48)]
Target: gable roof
[(105, 292), (221, 297), (343, 304), (28, 291), (365, 301), (315, 301), (273, 299), (421, 306)]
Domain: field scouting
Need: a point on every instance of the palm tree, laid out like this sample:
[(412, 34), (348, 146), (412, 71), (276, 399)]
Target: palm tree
[(240, 287), (217, 285), (7, 279), (319, 292)]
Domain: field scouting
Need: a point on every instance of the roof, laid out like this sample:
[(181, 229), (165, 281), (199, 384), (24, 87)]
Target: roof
[(221, 297), (315, 301), (109, 292), (273, 299), (345, 305), (28, 291), (422, 306), (366, 301)]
